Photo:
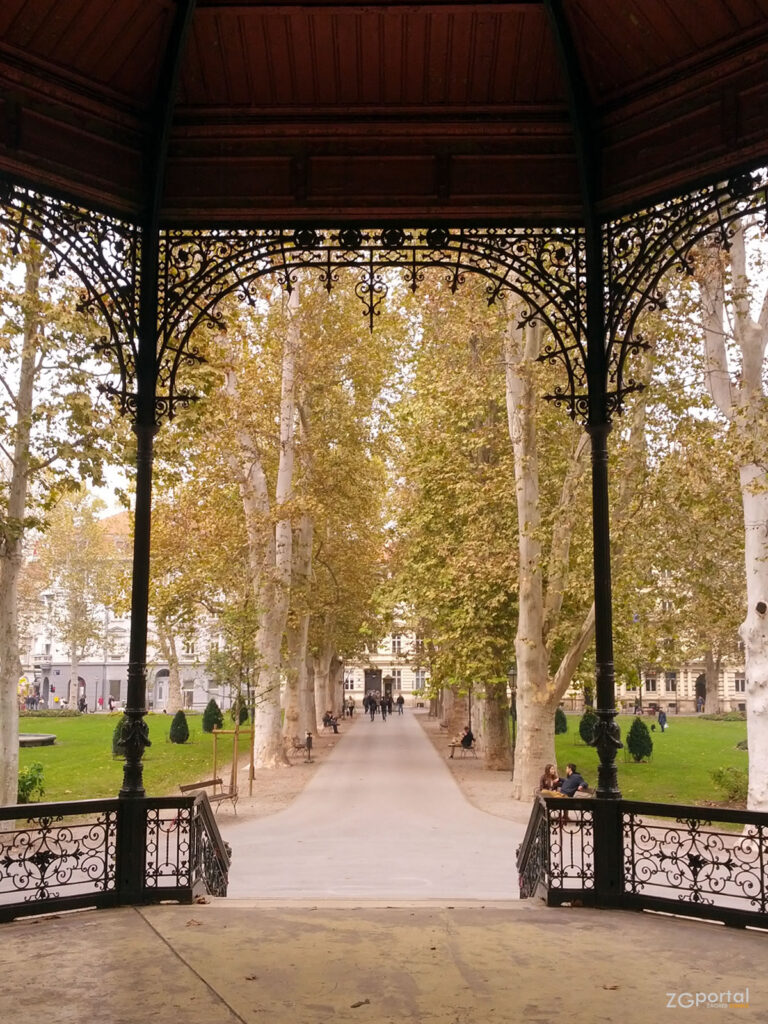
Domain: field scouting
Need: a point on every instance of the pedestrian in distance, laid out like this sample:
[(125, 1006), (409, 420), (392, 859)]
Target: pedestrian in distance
[(400, 702), (662, 719), (372, 706), (383, 709)]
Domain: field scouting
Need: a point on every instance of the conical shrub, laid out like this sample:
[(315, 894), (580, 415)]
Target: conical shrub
[(587, 726), (561, 722), (117, 735), (639, 742), (212, 717), (179, 728)]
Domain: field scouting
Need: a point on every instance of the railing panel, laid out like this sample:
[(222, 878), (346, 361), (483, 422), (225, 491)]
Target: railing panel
[(571, 845), (51, 853), (700, 862), (64, 855), (169, 862), (687, 856)]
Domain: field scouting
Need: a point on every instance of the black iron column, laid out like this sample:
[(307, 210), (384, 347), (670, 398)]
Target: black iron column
[(598, 422), (135, 737)]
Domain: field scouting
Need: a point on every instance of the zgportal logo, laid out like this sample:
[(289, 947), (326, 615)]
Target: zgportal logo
[(712, 1000)]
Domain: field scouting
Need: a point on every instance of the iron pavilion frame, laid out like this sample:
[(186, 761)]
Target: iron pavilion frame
[(152, 286), (546, 268)]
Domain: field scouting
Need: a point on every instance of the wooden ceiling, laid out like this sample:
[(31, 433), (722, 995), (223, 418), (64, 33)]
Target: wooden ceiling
[(335, 110)]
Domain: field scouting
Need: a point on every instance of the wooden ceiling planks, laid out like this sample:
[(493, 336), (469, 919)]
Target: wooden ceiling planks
[(318, 109)]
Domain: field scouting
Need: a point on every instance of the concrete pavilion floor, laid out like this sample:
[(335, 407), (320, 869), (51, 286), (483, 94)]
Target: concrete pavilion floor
[(307, 963), (378, 896)]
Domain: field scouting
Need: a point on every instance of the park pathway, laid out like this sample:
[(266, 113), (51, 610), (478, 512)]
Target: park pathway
[(382, 818)]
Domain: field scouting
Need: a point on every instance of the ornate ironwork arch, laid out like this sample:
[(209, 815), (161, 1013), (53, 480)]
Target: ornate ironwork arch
[(101, 252), (639, 251), (543, 267)]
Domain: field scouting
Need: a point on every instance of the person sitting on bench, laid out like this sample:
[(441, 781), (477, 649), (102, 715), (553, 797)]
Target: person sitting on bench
[(550, 780), (573, 782), (466, 740), (330, 722)]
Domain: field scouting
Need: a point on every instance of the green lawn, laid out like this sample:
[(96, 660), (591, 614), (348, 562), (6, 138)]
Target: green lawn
[(80, 764), (679, 768)]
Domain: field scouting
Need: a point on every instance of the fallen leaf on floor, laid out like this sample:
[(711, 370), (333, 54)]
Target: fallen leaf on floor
[(193, 923), (363, 1002), (610, 987), (202, 899), (251, 977)]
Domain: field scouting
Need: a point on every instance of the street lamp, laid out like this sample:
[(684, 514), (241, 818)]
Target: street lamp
[(512, 677)]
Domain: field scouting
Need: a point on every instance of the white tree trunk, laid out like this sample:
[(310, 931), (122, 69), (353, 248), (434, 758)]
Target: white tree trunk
[(493, 728), (167, 643), (296, 720), (11, 542), (321, 664), (711, 678), (754, 630), (74, 686), (743, 405), (535, 736), (275, 597)]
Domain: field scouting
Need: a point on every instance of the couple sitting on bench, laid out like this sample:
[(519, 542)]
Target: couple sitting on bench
[(552, 785)]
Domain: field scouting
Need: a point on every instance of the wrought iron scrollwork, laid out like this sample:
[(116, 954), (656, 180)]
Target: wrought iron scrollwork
[(543, 267), (51, 858), (642, 249), (103, 255), (692, 861)]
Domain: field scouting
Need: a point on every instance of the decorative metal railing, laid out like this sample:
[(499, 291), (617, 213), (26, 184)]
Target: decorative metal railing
[(89, 853), (693, 861)]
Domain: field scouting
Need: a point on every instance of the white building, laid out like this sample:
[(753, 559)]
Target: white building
[(395, 666)]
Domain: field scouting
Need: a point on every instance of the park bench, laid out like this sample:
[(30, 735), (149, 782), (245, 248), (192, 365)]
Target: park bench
[(218, 792), (297, 746), (463, 751)]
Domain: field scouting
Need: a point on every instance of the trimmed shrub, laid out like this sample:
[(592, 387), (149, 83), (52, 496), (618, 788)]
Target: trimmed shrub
[(30, 783), (727, 716), (179, 729), (117, 735), (733, 782), (239, 710), (742, 745), (587, 726), (561, 722), (639, 742), (212, 717)]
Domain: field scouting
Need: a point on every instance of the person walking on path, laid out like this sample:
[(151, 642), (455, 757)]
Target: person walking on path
[(383, 709), (662, 719), (372, 706), (400, 701)]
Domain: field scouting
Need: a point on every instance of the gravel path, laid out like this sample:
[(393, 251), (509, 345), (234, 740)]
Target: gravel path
[(382, 818)]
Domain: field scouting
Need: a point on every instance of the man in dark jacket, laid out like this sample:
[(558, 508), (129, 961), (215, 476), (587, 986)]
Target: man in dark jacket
[(572, 782)]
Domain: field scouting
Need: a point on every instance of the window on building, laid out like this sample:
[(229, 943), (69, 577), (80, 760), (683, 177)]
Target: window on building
[(670, 682), (397, 643), (189, 648), (397, 679), (349, 684), (419, 679), (418, 644), (650, 683), (740, 683)]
